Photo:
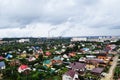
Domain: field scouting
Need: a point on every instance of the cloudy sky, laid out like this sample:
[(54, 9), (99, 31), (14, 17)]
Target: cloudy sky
[(42, 18)]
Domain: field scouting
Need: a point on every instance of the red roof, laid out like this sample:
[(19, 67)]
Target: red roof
[(23, 67), (47, 53), (1, 57)]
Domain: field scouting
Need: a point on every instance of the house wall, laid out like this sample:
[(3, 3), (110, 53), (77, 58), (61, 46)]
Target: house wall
[(3, 67), (102, 57), (76, 76), (65, 77), (48, 65)]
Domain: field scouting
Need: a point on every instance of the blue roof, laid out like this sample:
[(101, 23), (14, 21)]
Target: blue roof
[(9, 56), (2, 64), (37, 47), (46, 61), (57, 58), (85, 49)]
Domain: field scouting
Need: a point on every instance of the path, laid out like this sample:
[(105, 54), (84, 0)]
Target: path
[(0, 76), (109, 76)]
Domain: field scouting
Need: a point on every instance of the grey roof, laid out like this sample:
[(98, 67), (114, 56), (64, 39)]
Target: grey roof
[(94, 61), (2, 64), (102, 54), (70, 73), (77, 65), (97, 70)]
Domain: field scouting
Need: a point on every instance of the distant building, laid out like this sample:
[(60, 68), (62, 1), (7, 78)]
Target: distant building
[(103, 38), (99, 38), (79, 39), (94, 39), (2, 42), (23, 40)]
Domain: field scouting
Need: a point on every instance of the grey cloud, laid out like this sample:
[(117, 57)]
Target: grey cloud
[(87, 13), (24, 12), (115, 27)]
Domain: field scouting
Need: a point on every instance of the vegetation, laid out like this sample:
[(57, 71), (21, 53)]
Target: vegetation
[(91, 76), (106, 69), (117, 73), (42, 72)]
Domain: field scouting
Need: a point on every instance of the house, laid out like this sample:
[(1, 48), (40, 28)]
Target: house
[(9, 56), (57, 60), (47, 53), (2, 65), (90, 57), (15, 62), (23, 67), (71, 46), (47, 63), (105, 57), (65, 56), (72, 54), (36, 55), (70, 75), (110, 48), (83, 50), (58, 52), (91, 64), (102, 56), (40, 51), (82, 60), (23, 55), (63, 50), (31, 58), (76, 66), (1, 57), (97, 71)]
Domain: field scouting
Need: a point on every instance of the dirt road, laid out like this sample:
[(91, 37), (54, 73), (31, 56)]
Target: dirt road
[(109, 76)]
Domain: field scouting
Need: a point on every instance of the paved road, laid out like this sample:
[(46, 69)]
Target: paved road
[(109, 76)]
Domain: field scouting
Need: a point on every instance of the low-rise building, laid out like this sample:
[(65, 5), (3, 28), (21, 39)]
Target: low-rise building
[(2, 65), (70, 75)]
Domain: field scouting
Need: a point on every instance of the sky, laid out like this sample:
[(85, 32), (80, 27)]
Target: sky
[(53, 18)]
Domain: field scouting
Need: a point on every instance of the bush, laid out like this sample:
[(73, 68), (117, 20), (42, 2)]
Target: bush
[(106, 68), (117, 73)]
